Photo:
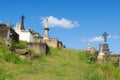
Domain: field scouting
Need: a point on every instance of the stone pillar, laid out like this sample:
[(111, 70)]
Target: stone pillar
[(46, 35), (22, 23)]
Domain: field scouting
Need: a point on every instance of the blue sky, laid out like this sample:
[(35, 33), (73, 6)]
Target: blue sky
[(93, 18)]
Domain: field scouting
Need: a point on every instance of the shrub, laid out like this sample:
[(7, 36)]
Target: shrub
[(30, 51), (1, 42), (18, 45), (6, 55)]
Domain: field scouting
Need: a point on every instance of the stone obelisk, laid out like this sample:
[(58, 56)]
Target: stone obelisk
[(46, 35)]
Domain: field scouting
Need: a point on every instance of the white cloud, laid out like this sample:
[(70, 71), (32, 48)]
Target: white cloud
[(64, 23), (0, 21), (84, 40), (113, 37), (99, 38), (96, 39)]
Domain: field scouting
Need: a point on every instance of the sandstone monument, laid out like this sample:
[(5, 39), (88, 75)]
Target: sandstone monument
[(32, 37), (52, 42), (7, 33), (34, 40), (46, 34)]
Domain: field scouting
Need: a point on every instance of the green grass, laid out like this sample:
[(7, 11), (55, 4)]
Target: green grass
[(59, 64), (111, 71), (6, 55)]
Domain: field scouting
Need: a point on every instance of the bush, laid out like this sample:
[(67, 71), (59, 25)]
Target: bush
[(30, 51), (18, 45), (8, 56), (1, 42)]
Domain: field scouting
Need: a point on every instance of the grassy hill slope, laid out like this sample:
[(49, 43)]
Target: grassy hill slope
[(59, 64)]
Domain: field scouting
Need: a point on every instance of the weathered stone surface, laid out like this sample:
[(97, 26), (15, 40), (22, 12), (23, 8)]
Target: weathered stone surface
[(7, 33), (38, 47), (46, 35), (21, 51), (92, 50), (101, 56), (105, 48)]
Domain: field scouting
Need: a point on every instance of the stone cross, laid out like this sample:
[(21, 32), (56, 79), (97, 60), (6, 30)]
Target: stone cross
[(105, 36), (22, 23)]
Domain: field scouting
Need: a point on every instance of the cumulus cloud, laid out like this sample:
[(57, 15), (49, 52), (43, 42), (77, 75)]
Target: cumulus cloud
[(113, 37), (99, 38), (96, 39), (93, 39), (84, 40), (0, 21), (55, 22)]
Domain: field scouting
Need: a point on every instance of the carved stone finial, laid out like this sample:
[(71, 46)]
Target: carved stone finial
[(22, 23)]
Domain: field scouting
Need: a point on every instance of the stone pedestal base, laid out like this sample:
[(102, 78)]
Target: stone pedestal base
[(105, 48)]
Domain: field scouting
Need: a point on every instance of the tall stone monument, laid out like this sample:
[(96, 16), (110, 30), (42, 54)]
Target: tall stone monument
[(105, 44), (46, 36), (89, 47), (22, 23)]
